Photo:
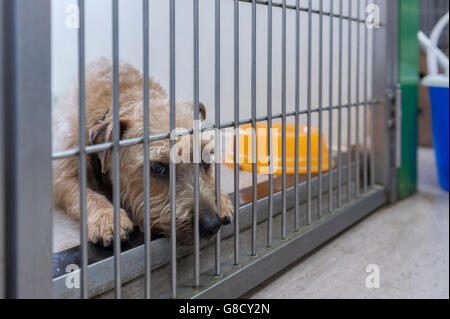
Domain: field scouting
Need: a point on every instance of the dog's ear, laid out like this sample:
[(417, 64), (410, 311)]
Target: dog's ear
[(102, 133), (98, 133), (202, 111)]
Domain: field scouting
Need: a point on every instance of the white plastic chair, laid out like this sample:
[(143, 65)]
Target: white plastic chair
[(435, 56)]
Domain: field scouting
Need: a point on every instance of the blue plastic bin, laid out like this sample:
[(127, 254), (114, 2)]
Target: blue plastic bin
[(439, 95)]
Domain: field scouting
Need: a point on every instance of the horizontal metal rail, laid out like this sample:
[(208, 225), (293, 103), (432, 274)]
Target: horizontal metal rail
[(158, 137), (304, 9)]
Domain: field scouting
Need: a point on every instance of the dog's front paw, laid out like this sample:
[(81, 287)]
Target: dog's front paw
[(101, 226)]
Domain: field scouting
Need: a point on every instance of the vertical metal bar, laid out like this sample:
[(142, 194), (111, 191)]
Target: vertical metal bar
[(2, 152), (366, 42), (330, 115), (372, 109), (319, 184), (269, 122), (339, 159), (146, 111), (358, 60), (82, 175), (283, 118), (173, 230), (297, 110), (218, 148), (116, 148), (196, 154), (349, 102), (26, 102), (308, 156), (385, 76), (236, 133), (254, 137)]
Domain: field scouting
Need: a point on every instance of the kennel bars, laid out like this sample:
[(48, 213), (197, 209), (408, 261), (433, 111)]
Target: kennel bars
[(31, 117)]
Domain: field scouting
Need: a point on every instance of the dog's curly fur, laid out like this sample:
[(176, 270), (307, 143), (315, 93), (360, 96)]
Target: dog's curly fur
[(100, 218)]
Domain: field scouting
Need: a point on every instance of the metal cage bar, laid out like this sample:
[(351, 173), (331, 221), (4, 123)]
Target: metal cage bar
[(146, 148), (309, 96), (82, 170), (358, 61), (372, 109), (173, 180), (319, 184), (2, 198), (297, 119), (254, 136), (26, 107), (236, 133), (218, 137), (269, 124), (339, 155), (197, 146), (283, 118), (116, 148), (349, 100), (330, 115), (365, 106)]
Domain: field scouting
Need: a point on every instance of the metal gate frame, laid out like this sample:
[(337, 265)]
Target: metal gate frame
[(28, 204), (385, 88), (26, 133)]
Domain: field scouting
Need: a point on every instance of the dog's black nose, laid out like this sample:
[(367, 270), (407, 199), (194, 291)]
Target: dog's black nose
[(226, 220), (209, 225)]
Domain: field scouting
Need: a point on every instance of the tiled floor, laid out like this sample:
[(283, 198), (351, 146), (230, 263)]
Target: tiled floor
[(408, 241)]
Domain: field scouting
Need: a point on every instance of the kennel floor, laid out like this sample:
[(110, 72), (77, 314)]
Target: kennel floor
[(409, 241)]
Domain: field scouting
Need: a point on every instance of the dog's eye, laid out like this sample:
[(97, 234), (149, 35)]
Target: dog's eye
[(206, 166), (160, 170)]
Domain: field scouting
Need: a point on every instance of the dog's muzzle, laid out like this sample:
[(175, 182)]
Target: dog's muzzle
[(210, 224)]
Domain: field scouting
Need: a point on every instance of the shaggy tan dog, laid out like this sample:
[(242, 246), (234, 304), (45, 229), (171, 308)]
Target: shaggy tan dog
[(100, 218)]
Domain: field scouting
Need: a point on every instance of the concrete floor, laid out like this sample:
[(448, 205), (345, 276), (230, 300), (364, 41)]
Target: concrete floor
[(408, 241)]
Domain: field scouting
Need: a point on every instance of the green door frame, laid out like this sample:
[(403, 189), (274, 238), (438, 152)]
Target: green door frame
[(409, 23)]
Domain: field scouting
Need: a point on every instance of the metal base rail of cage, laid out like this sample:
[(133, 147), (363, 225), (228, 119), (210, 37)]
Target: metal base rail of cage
[(268, 261), (101, 272)]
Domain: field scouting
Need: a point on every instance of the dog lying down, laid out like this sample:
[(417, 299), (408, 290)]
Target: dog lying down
[(99, 119)]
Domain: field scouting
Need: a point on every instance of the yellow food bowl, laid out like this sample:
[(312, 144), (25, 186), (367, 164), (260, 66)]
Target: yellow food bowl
[(245, 149)]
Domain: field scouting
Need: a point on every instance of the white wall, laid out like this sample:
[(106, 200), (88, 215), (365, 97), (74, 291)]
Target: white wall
[(98, 37)]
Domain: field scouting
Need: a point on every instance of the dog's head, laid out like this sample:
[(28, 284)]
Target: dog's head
[(161, 154)]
